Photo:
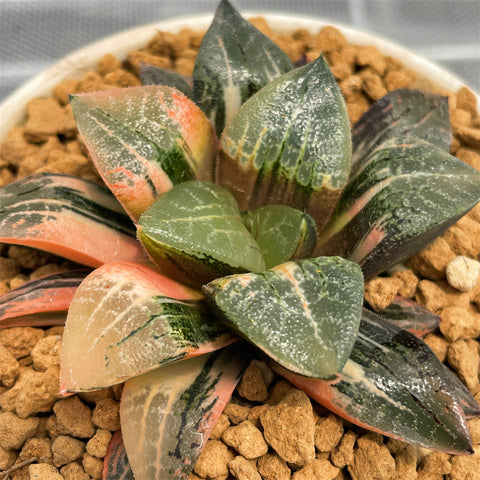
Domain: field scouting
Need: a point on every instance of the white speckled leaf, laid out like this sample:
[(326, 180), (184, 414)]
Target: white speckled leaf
[(235, 60), (404, 194), (401, 113), (303, 314), (289, 144), (167, 415), (195, 233), (395, 385)]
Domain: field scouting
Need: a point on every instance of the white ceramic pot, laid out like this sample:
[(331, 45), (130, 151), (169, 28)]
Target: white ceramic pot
[(12, 110)]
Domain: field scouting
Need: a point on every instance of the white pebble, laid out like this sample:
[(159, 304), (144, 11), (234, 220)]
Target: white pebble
[(462, 273)]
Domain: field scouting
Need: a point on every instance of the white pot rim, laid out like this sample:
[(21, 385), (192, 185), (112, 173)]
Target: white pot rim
[(75, 65)]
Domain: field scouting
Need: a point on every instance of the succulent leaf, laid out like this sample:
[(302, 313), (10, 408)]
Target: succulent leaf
[(402, 113), (406, 193), (67, 216), (411, 316), (195, 233), (234, 61), (395, 385), (282, 233), (168, 414), (40, 302), (154, 75), (144, 140), (115, 464), (289, 144), (303, 314), (127, 319)]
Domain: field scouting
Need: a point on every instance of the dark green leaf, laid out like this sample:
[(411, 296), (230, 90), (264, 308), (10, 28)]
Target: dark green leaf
[(411, 316), (235, 60), (153, 75), (402, 113), (405, 194), (144, 140), (289, 144), (282, 233), (40, 302), (167, 415), (195, 233), (395, 385), (67, 216), (303, 314)]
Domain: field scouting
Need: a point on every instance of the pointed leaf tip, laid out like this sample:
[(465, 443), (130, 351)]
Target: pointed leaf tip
[(235, 60), (289, 144), (303, 314), (404, 195), (395, 385)]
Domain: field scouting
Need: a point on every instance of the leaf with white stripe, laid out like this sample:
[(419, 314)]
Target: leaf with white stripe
[(67, 216), (303, 314), (126, 319), (235, 60), (395, 385), (195, 233), (167, 415), (404, 195), (143, 140), (402, 113), (289, 144)]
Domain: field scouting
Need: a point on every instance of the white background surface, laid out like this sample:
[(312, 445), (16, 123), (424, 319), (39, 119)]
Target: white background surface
[(36, 33)]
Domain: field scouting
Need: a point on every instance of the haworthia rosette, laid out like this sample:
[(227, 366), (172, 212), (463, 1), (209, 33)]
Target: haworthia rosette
[(234, 61), (167, 415), (395, 385), (40, 302), (195, 233), (282, 233), (67, 216), (289, 144), (405, 194), (144, 140), (127, 319), (303, 314), (402, 113)]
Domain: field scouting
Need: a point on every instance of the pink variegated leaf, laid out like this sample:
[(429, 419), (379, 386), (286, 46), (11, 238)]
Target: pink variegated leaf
[(40, 302), (126, 319), (144, 140), (115, 463), (406, 193), (168, 414), (394, 384), (403, 112), (411, 316), (67, 216)]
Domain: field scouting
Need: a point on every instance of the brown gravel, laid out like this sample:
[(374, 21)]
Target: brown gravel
[(270, 430)]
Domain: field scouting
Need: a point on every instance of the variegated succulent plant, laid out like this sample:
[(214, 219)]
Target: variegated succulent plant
[(211, 251)]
